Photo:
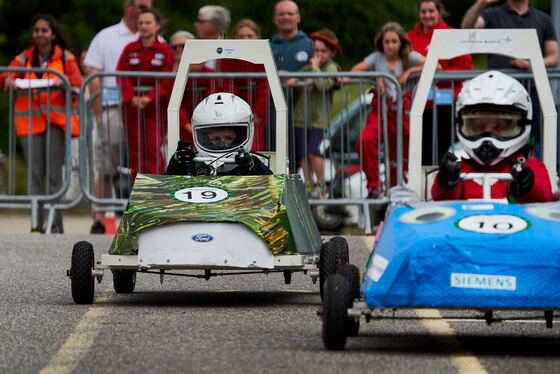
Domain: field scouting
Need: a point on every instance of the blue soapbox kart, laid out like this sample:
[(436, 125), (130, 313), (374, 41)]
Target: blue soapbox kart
[(483, 255)]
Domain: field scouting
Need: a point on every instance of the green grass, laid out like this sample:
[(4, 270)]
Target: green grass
[(20, 175)]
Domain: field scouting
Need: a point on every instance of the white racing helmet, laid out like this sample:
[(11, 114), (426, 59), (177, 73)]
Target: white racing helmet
[(221, 124), (494, 116)]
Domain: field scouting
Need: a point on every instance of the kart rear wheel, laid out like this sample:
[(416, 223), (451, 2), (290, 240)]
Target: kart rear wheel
[(335, 306), (352, 275), (334, 254), (328, 217), (124, 281), (81, 277)]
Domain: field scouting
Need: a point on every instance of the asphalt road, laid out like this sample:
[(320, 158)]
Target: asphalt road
[(249, 323)]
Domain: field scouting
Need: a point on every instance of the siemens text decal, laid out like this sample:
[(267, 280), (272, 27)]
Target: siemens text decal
[(484, 281)]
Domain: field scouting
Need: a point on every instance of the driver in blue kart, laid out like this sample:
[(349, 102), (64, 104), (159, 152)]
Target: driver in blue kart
[(223, 128), (494, 116)]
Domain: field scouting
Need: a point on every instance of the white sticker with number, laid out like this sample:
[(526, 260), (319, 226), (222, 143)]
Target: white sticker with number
[(201, 195), (493, 224)]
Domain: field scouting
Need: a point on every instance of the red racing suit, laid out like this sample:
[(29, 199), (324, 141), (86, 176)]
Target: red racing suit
[(368, 142), (464, 190), (420, 42), (195, 91), (254, 91), (146, 129)]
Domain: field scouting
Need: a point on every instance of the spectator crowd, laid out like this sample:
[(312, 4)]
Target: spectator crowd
[(130, 112)]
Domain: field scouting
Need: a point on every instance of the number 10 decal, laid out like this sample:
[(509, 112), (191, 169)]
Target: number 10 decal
[(493, 224), (201, 195)]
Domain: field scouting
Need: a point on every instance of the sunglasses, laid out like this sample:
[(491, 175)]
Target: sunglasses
[(177, 46)]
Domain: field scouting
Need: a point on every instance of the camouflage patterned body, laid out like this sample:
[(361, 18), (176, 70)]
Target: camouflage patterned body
[(273, 206)]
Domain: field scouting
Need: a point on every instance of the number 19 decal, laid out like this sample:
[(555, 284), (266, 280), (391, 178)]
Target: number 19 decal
[(493, 224), (201, 195)]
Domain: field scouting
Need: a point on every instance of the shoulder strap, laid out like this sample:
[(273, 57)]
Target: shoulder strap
[(22, 59), (65, 56)]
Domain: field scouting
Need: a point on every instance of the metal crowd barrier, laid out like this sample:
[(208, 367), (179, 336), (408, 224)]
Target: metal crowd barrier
[(52, 201), (337, 157), (343, 175), (444, 99)]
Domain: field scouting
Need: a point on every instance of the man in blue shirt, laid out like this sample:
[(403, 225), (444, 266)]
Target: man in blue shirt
[(292, 49)]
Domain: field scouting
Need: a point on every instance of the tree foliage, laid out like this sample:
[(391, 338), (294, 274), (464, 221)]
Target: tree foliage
[(355, 22)]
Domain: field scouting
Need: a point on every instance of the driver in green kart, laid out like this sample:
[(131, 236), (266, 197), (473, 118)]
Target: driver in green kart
[(223, 127)]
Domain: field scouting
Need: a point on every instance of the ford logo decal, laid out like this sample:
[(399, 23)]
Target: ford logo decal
[(202, 238)]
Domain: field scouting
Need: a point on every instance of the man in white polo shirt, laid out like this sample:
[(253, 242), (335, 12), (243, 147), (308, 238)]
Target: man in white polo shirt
[(103, 55)]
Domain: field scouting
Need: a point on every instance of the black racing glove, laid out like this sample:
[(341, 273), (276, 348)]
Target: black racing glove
[(184, 154), (244, 161), (449, 171), (523, 178)]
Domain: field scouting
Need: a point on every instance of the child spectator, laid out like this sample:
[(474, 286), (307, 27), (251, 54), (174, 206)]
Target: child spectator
[(494, 116), (144, 113), (313, 110), (394, 57)]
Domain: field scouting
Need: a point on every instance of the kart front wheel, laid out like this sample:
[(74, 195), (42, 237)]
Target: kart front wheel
[(352, 275), (287, 276), (81, 276), (335, 306), (342, 247), (333, 255), (124, 281)]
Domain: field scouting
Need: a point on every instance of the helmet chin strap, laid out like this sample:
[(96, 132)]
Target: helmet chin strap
[(487, 152)]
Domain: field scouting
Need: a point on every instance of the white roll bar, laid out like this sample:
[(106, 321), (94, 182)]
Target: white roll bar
[(255, 51), (515, 43)]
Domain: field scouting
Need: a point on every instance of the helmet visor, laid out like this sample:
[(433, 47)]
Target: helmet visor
[(501, 124), (222, 138)]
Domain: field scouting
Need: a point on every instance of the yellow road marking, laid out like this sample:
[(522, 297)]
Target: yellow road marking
[(286, 291), (80, 341), (464, 360), (368, 241)]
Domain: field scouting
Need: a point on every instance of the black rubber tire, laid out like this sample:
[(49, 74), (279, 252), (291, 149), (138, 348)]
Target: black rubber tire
[(333, 255), (335, 306), (328, 264), (124, 281), (287, 276), (81, 278), (352, 275), (342, 246), (326, 218)]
